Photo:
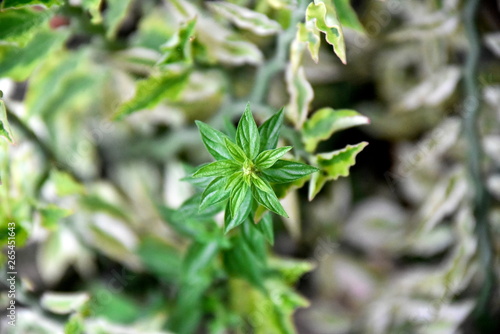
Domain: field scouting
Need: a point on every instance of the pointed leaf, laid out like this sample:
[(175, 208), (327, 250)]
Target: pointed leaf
[(325, 122), (214, 141), (261, 184), (214, 193), (153, 90), (218, 168), (247, 134), (269, 201), (230, 221), (347, 15), (269, 131), (238, 194), (235, 152), (5, 130), (284, 171), (333, 165), (233, 180), (245, 18), (268, 158), (325, 16)]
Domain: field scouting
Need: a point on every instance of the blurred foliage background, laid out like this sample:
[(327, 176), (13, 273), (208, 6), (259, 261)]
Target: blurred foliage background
[(101, 98)]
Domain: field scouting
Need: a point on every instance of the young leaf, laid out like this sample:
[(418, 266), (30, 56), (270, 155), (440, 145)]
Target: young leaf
[(284, 171), (325, 122), (232, 221), (247, 134), (218, 168), (214, 193), (4, 123), (261, 184), (245, 18), (214, 141), (151, 91), (268, 158), (269, 201), (235, 152), (325, 15), (269, 131), (238, 193), (233, 180), (333, 165)]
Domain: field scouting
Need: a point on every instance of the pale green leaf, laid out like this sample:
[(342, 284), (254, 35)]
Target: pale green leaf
[(65, 184), (214, 193), (347, 16), (52, 214), (245, 18), (261, 184), (301, 94), (93, 6), (63, 302), (153, 90), (268, 158), (218, 168), (308, 33), (235, 152), (115, 14), (5, 130), (324, 13), (269, 201), (333, 165), (325, 122), (214, 141), (247, 134)]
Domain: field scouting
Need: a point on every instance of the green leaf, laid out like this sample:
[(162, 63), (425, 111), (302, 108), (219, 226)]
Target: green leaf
[(21, 3), (238, 194), (217, 168), (261, 184), (214, 193), (233, 180), (308, 33), (52, 214), (65, 184), (265, 226), (325, 16), (178, 48), (93, 6), (347, 16), (247, 134), (75, 325), (268, 158), (269, 201), (325, 122), (153, 90), (270, 130), (160, 258), (333, 165), (241, 215), (284, 171), (245, 18), (115, 14), (63, 302), (214, 141), (19, 62), (235, 152), (198, 258), (5, 130), (19, 25)]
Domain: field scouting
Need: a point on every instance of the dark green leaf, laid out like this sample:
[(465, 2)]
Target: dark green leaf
[(21, 3), (238, 194), (214, 193), (241, 215), (153, 90), (268, 158), (247, 134), (214, 141), (284, 171), (235, 152), (269, 201), (270, 131), (18, 25), (217, 168)]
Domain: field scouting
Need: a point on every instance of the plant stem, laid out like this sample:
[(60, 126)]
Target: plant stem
[(266, 72), (481, 196)]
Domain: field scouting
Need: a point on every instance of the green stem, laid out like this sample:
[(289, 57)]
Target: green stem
[(481, 196), (266, 72)]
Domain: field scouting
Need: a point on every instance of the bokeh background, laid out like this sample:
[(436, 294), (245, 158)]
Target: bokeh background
[(392, 248)]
